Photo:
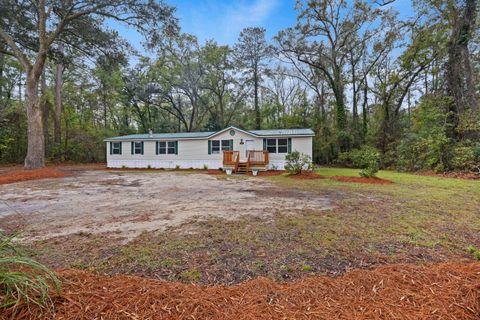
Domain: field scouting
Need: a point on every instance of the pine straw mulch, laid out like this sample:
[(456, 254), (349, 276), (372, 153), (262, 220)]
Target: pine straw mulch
[(434, 291), (268, 173), (18, 175), (306, 176), (453, 174), (361, 180)]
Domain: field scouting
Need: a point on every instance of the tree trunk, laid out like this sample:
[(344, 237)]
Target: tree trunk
[(20, 87), (471, 90), (459, 74), (2, 66), (58, 104), (340, 104), (338, 91), (355, 90), (365, 111), (36, 145), (46, 113), (104, 98), (258, 117)]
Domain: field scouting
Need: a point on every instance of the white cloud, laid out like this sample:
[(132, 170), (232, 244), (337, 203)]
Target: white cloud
[(242, 14), (250, 14), (223, 20)]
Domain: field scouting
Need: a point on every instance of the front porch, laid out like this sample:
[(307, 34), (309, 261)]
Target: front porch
[(255, 160)]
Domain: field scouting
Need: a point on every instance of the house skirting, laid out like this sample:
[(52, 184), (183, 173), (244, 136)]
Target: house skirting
[(183, 164)]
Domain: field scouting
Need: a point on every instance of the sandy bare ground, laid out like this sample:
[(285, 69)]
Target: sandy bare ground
[(124, 204)]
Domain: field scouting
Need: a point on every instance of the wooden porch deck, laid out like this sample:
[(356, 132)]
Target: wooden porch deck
[(256, 159)]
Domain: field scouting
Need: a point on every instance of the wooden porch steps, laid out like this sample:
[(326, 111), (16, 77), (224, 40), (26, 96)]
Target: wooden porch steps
[(255, 159), (242, 168)]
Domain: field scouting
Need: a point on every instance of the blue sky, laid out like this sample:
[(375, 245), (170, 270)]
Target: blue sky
[(222, 20)]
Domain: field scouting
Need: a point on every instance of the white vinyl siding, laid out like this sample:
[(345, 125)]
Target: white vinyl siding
[(194, 153)]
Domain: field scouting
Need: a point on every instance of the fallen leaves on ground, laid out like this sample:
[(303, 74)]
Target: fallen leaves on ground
[(268, 173), (453, 174)]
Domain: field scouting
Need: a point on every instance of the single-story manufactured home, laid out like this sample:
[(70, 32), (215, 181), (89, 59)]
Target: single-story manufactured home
[(230, 148)]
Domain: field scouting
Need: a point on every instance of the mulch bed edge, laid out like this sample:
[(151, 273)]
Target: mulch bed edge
[(430, 291)]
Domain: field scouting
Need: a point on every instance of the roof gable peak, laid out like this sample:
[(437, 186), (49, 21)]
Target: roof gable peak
[(233, 128)]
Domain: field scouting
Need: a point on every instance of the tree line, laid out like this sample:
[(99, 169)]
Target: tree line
[(356, 72)]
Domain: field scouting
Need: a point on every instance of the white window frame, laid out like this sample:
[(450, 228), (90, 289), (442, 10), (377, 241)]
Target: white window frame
[(272, 145), (283, 145), (117, 146), (135, 146), (221, 147), (169, 147), (277, 145)]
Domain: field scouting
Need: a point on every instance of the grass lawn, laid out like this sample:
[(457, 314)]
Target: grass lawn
[(416, 219)]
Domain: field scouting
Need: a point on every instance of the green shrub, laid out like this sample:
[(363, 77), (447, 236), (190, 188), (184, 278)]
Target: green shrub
[(426, 145), (463, 158), (366, 158), (298, 162), (177, 166), (476, 152), (345, 159), (205, 167), (369, 172), (84, 145), (370, 161), (23, 280)]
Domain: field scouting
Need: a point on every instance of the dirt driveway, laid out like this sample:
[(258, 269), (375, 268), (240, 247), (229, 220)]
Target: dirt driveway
[(124, 204)]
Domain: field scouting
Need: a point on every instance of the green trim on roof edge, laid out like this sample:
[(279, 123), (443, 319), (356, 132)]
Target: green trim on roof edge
[(207, 134)]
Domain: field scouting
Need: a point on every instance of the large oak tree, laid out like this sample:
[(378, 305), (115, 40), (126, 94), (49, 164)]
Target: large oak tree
[(29, 30), (323, 38)]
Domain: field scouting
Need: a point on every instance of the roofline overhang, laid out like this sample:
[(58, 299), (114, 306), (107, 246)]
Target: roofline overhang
[(232, 128), (211, 136), (202, 138)]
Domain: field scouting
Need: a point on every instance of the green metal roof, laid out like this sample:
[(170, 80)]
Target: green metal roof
[(160, 136), (206, 134), (284, 132)]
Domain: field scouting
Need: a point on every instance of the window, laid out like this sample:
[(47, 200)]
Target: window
[(167, 147), (215, 146), (272, 145), (138, 147), (115, 148), (277, 145), (226, 145), (282, 145), (221, 145)]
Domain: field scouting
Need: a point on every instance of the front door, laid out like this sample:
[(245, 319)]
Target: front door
[(249, 145)]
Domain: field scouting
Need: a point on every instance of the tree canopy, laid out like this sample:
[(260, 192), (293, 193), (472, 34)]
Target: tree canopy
[(355, 72)]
